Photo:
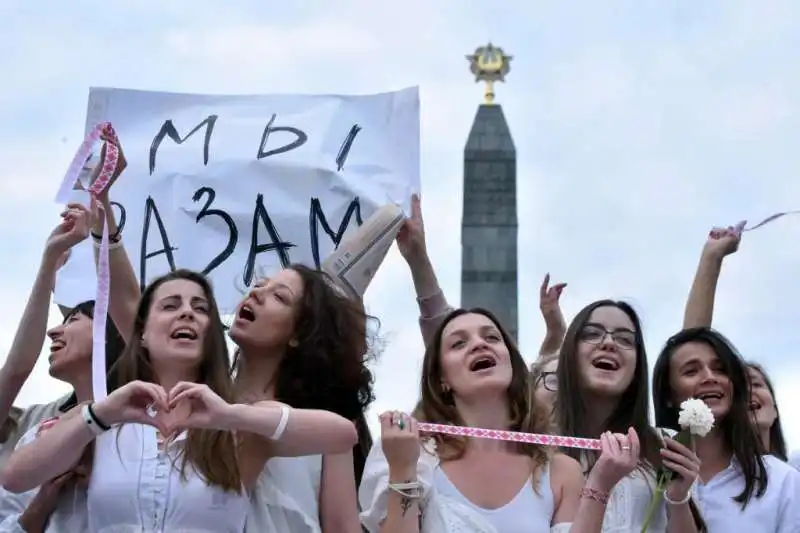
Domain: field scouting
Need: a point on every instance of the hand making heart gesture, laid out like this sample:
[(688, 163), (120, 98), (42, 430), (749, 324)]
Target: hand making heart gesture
[(194, 405), (137, 402)]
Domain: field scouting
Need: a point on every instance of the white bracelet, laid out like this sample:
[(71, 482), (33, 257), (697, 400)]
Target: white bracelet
[(682, 501), (409, 490), (284, 421), (89, 419)]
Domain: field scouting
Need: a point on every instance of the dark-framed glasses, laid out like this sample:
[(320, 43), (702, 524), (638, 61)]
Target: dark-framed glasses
[(549, 381), (595, 333)]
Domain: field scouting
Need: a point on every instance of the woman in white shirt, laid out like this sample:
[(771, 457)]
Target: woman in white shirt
[(473, 375), (303, 344), (181, 457), (603, 385), (738, 489)]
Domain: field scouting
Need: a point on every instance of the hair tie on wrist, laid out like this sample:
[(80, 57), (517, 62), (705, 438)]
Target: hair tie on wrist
[(682, 501), (97, 426)]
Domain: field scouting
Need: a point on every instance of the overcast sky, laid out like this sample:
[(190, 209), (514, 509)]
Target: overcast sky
[(638, 126)]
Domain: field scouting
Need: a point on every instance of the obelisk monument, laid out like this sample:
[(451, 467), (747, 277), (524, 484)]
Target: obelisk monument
[(489, 222)]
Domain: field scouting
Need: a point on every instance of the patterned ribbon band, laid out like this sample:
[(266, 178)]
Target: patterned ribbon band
[(107, 167), (511, 436)]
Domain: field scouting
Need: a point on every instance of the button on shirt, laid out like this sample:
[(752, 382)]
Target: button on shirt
[(777, 511), (136, 487)]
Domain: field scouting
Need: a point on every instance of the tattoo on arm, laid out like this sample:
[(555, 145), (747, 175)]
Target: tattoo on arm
[(405, 504)]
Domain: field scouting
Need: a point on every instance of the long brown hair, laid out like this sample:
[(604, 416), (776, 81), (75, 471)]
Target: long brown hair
[(437, 406), (632, 410), (212, 453)]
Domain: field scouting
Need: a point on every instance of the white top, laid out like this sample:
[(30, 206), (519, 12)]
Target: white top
[(443, 513), (68, 517), (527, 512), (137, 488), (794, 460), (628, 504), (286, 496), (777, 511)]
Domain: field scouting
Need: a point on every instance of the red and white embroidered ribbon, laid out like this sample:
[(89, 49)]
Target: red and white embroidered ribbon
[(511, 436), (107, 168)]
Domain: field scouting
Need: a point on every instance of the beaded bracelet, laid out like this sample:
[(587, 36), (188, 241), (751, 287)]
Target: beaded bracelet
[(596, 495)]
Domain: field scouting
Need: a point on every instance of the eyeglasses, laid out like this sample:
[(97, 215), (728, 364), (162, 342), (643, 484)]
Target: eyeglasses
[(595, 334), (549, 380)]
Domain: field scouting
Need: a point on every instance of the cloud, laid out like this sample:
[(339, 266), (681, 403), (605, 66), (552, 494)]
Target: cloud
[(637, 130)]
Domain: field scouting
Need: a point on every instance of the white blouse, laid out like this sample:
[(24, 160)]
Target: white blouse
[(136, 487), (794, 460), (69, 515), (286, 496), (628, 503), (777, 511), (443, 511)]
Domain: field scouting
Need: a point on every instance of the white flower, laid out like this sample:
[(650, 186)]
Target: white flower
[(696, 417)]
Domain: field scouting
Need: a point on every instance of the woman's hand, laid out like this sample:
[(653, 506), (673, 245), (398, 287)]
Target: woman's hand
[(549, 305), (74, 227), (122, 164), (194, 405), (411, 237), (723, 241), (400, 443), (619, 456), (137, 401), (686, 466), (37, 514)]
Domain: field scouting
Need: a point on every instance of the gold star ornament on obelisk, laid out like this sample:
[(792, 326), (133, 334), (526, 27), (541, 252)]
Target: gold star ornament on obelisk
[(489, 64)]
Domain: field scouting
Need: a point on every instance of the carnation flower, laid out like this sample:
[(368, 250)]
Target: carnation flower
[(696, 417)]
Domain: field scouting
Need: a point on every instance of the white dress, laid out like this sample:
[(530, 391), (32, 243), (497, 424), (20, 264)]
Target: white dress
[(286, 496), (136, 487), (443, 510)]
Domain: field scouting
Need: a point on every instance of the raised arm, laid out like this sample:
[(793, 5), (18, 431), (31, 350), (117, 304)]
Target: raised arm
[(29, 339), (700, 304), (125, 291), (553, 317), (433, 306)]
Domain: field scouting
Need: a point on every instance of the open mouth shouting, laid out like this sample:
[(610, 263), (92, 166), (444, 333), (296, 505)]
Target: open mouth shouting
[(755, 406), (482, 363), (184, 333), (606, 362), (55, 346), (246, 314)]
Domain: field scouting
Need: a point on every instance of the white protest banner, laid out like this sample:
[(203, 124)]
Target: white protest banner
[(237, 185)]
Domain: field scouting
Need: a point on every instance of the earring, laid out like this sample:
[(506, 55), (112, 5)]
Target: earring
[(293, 343)]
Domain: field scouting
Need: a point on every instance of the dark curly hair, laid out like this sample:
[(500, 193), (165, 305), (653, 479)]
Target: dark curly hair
[(327, 367)]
